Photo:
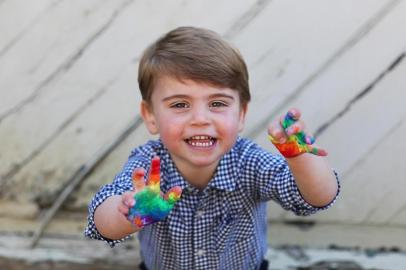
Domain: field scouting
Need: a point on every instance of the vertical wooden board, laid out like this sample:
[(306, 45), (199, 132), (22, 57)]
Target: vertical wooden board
[(49, 47), (72, 93), (296, 40), (357, 135), (335, 88), (16, 17)]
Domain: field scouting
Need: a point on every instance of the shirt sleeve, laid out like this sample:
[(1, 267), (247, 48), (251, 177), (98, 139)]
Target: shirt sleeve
[(277, 183), (121, 183)]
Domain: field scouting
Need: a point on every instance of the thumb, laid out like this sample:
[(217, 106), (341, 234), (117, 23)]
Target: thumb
[(173, 195), (127, 199), (316, 151)]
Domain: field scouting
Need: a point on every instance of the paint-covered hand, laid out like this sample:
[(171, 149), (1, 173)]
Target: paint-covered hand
[(150, 205), (289, 138)]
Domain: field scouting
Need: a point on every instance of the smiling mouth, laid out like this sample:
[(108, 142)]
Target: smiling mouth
[(201, 141)]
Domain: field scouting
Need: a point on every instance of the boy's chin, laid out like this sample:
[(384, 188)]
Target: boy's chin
[(203, 161)]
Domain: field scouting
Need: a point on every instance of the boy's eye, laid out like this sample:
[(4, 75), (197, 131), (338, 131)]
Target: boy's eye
[(218, 104), (179, 105)]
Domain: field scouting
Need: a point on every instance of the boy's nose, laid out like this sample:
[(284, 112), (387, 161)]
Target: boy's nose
[(200, 117)]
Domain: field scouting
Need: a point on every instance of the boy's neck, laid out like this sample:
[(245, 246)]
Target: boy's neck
[(199, 177)]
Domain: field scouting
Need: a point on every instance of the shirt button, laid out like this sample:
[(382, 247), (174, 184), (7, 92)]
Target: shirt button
[(199, 213), (200, 252)]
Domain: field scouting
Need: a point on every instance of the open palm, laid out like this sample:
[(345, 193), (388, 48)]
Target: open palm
[(150, 206)]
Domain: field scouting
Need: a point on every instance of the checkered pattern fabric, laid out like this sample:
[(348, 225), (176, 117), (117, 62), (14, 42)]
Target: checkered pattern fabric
[(220, 227)]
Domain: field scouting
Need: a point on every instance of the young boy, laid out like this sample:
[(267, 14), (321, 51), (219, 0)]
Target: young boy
[(195, 93)]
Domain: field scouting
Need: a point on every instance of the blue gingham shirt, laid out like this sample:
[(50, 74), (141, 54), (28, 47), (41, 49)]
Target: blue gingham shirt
[(220, 227)]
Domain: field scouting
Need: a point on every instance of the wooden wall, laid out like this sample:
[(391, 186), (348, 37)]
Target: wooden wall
[(68, 90)]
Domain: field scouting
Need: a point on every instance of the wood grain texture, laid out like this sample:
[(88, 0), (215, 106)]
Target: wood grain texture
[(68, 87), (97, 94)]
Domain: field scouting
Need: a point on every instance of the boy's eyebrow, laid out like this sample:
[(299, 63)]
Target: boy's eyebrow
[(175, 96), (219, 95)]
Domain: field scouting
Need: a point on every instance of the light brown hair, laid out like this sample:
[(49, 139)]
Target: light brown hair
[(196, 54)]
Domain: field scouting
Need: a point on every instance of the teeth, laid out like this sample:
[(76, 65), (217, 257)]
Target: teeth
[(200, 138), (202, 144), (201, 141)]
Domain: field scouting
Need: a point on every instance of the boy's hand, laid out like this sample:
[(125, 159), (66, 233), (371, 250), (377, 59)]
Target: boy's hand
[(289, 138), (146, 204)]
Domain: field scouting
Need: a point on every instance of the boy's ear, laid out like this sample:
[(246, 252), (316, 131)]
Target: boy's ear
[(243, 112), (148, 117)]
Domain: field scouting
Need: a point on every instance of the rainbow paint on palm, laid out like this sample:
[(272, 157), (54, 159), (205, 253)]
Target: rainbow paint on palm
[(150, 206), (297, 143)]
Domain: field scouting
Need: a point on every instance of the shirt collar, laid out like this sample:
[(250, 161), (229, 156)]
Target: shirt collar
[(226, 173), (171, 175)]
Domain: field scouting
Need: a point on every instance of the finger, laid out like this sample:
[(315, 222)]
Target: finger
[(295, 128), (276, 133), (127, 199), (309, 139), (138, 179), (293, 114), (290, 118), (317, 151), (123, 209), (154, 177), (173, 195)]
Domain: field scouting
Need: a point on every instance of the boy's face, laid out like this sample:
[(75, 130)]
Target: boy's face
[(198, 123)]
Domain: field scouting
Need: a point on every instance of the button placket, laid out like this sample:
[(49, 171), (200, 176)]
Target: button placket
[(200, 252), (200, 233), (199, 213)]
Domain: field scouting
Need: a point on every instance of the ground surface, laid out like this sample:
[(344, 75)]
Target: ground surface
[(74, 252)]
